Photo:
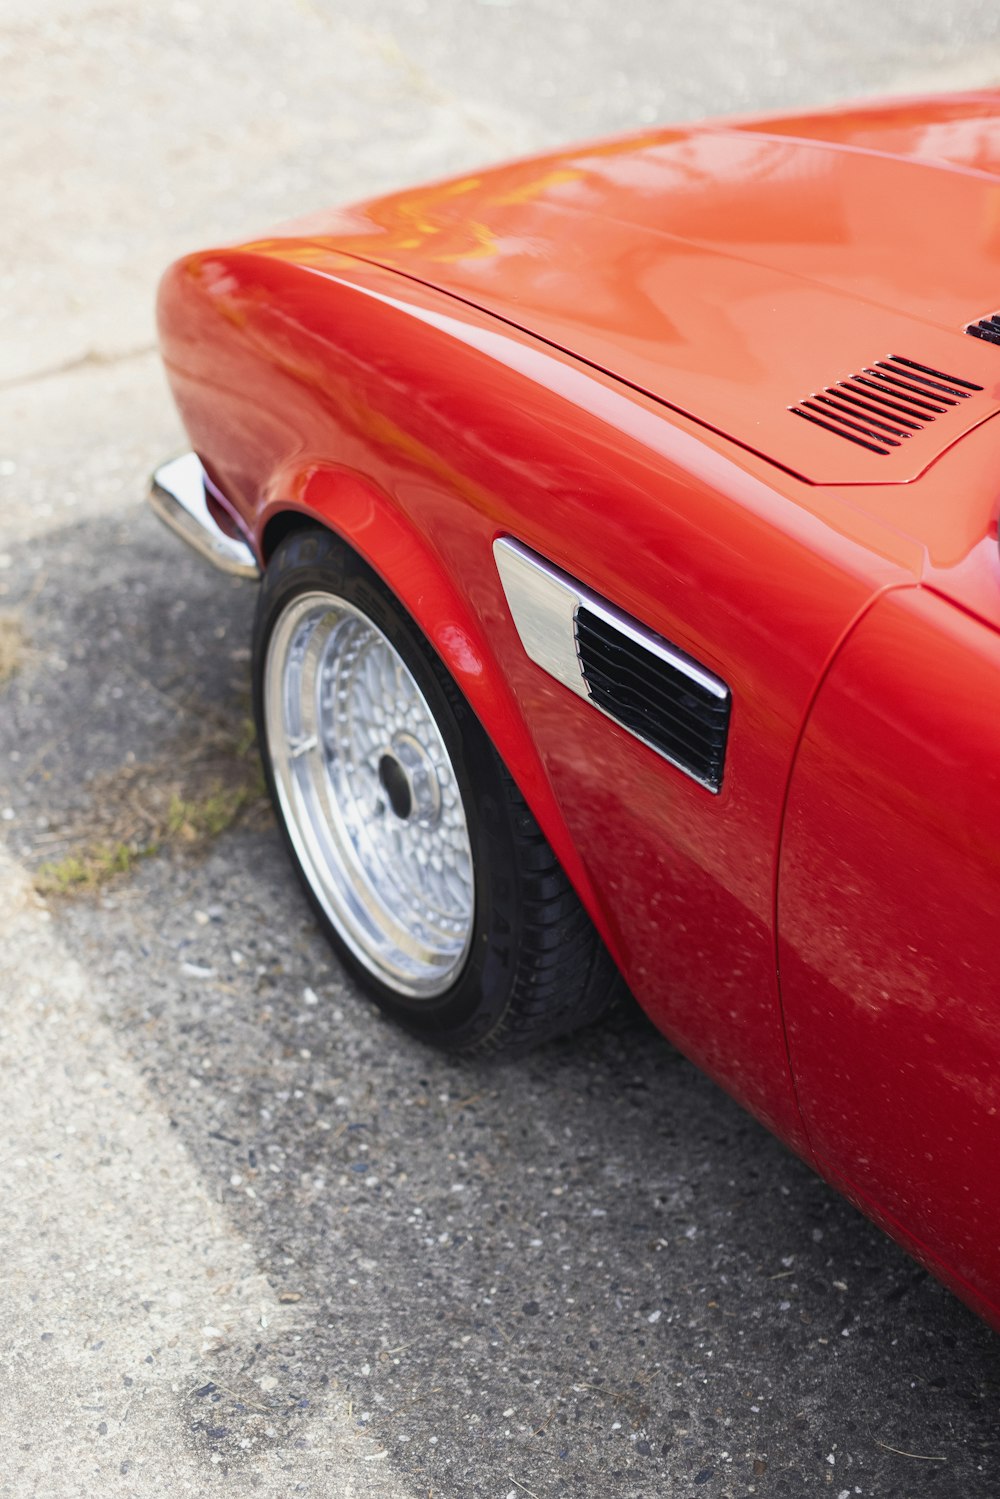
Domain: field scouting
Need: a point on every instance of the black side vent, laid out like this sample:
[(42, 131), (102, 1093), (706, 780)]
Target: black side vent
[(676, 706), (883, 406), (987, 327)]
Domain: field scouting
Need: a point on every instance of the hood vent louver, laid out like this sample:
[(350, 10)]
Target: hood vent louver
[(987, 328), (880, 408)]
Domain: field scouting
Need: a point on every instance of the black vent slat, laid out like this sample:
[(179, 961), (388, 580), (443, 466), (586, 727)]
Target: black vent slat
[(878, 393), (985, 330), (691, 711), (699, 740), (636, 715), (848, 420), (691, 714), (873, 407), (635, 656), (920, 398), (861, 442), (844, 392), (852, 411), (940, 374), (949, 390), (666, 695), (704, 763), (682, 706), (662, 702)]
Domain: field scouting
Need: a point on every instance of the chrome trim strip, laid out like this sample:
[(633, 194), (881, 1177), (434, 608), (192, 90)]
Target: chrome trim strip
[(543, 602), (177, 496)]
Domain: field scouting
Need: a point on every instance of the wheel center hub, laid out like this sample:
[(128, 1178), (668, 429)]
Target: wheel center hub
[(410, 781)]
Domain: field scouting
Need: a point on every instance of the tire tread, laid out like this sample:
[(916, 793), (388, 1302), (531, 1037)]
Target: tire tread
[(566, 978)]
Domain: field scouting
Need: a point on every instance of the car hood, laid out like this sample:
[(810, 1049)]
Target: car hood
[(735, 273)]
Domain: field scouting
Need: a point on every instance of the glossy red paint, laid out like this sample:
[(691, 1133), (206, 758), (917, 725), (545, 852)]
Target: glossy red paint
[(594, 353), (671, 258), (886, 911)]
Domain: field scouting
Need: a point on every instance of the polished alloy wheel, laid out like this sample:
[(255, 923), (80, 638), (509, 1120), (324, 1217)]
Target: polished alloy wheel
[(369, 794)]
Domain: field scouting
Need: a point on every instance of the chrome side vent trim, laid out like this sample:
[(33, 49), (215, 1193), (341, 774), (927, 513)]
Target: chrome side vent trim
[(652, 694), (626, 671), (987, 328), (881, 408)]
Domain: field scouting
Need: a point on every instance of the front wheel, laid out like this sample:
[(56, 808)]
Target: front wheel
[(421, 858)]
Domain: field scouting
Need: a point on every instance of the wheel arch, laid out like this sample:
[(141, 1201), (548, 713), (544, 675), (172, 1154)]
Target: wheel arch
[(281, 524), (366, 520)]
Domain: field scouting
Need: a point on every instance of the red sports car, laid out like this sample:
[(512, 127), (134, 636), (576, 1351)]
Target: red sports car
[(630, 611)]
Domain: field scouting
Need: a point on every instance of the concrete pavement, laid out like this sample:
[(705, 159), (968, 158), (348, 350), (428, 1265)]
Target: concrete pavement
[(252, 1239)]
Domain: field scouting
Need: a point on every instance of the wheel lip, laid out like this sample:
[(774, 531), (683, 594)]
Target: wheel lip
[(334, 889)]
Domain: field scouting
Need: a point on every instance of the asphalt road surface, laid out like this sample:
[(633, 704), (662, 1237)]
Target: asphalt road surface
[(252, 1240)]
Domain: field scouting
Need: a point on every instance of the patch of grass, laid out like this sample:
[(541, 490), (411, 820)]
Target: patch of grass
[(181, 802), (196, 821), (11, 645), (89, 869)]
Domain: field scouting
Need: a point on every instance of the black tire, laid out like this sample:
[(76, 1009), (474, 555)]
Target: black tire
[(534, 966)]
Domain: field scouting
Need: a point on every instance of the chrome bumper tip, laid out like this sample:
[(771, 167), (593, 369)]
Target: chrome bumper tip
[(178, 496)]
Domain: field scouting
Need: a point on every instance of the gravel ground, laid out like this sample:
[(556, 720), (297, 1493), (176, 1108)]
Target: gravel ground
[(253, 1239)]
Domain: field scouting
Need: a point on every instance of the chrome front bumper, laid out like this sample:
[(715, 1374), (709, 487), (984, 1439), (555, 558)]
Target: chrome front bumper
[(177, 495)]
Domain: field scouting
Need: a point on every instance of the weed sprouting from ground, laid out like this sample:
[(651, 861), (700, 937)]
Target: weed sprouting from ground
[(89, 869), (181, 802)]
